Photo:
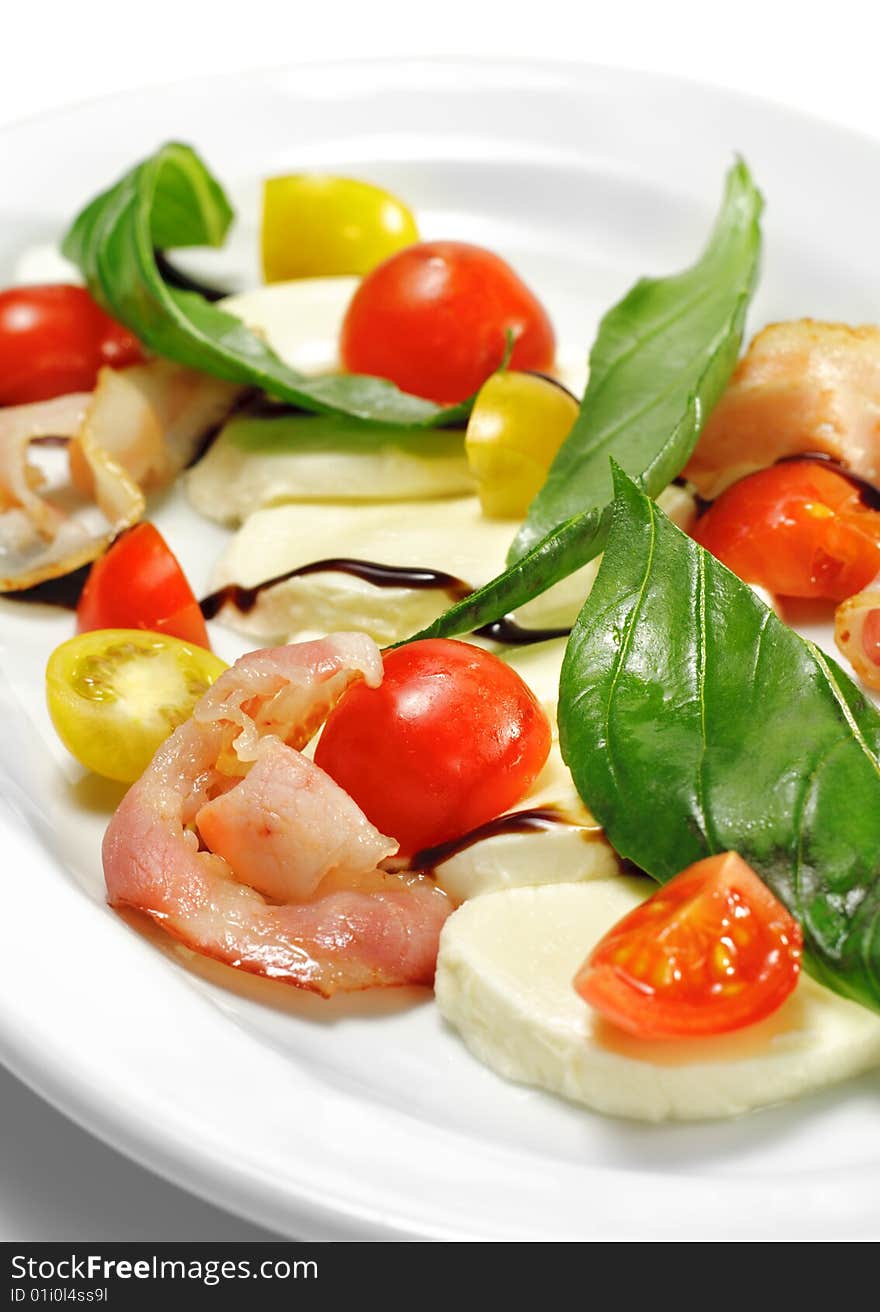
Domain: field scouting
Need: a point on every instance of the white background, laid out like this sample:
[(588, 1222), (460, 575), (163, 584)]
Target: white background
[(55, 1181)]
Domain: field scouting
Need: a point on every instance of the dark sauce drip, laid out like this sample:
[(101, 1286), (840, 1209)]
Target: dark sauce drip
[(381, 576), (50, 439), (548, 378), (514, 822), (244, 599), (517, 635), (185, 282), (64, 591), (868, 492)]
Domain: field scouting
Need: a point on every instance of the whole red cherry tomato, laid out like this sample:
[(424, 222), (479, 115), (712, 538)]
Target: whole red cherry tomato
[(53, 340), (451, 738), (713, 950), (139, 584), (434, 317), (799, 529)]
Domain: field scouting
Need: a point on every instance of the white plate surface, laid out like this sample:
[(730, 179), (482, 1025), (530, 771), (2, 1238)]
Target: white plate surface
[(366, 1117)]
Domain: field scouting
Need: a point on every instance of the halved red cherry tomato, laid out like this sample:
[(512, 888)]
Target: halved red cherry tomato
[(139, 584), (450, 739), (799, 529), (434, 317), (713, 950), (53, 340)]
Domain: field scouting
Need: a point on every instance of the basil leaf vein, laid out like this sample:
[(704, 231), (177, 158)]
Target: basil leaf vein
[(695, 721)]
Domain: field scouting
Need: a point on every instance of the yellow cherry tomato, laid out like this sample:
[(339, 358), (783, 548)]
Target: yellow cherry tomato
[(315, 225), (518, 423), (115, 695)]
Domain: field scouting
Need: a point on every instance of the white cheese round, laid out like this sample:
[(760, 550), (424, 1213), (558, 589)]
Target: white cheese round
[(572, 847), (257, 463), (504, 980), (446, 535), (300, 319)]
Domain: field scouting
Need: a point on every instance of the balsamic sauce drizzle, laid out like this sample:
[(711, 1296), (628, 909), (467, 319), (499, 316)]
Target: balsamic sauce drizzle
[(869, 492), (506, 630), (245, 599), (185, 282), (535, 820)]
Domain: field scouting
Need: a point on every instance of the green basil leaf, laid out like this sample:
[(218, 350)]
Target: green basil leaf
[(172, 200), (661, 360), (694, 721)]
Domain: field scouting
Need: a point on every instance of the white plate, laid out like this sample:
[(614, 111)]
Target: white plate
[(365, 1117)]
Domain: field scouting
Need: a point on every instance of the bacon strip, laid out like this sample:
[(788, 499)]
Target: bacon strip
[(344, 924), (136, 431)]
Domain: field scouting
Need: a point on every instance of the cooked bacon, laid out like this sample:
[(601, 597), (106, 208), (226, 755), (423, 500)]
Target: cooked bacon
[(151, 418), (286, 794), (137, 430), (233, 776), (39, 539), (801, 387), (19, 479)]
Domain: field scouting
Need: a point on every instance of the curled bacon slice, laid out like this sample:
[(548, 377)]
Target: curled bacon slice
[(233, 778), (151, 419), (43, 536), (136, 431)]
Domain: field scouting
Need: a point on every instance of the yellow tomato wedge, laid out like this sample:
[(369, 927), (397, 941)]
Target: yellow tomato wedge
[(518, 423), (316, 226), (114, 695)]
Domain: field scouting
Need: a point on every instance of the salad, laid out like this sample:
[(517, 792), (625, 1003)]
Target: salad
[(520, 710)]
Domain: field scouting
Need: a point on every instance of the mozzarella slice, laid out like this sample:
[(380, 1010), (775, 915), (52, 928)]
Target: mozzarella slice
[(409, 533), (300, 319), (539, 664), (449, 535), (256, 462), (571, 848), (504, 980)]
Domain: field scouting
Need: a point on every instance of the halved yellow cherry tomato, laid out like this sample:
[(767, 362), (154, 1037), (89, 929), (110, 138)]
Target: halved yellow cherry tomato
[(315, 225), (518, 423), (115, 695)]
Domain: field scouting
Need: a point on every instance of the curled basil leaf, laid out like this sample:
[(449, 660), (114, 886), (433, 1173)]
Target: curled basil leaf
[(172, 200)]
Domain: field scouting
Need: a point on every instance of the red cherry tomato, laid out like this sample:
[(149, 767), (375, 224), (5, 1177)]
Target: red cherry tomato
[(433, 318), (713, 950), (450, 739), (53, 340), (139, 584), (798, 528)]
